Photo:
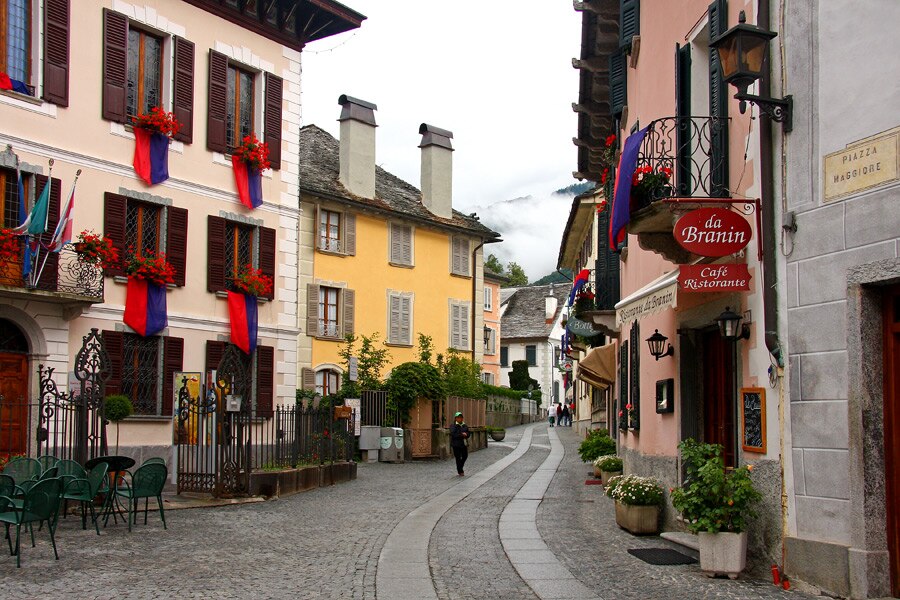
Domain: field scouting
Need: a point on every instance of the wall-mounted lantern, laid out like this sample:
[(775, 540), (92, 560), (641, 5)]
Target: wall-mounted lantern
[(657, 343), (731, 327)]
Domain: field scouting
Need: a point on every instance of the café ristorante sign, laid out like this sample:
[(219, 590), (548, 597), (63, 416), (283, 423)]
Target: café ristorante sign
[(713, 232)]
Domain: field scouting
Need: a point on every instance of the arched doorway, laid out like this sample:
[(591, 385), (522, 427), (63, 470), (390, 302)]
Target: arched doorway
[(13, 389)]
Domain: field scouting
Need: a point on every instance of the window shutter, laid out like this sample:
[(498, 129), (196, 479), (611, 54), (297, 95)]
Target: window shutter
[(115, 65), (183, 89), (464, 326), (176, 241), (112, 343), (56, 52), (217, 109), (312, 309), (114, 209), (349, 233), (214, 352), (317, 229), (348, 304), (618, 83), (267, 255), (629, 21), (405, 319), (215, 254), (395, 243), (307, 378), (464, 256), (683, 112), (394, 319), (272, 133), (623, 385), (265, 381), (50, 274), (635, 416), (173, 360), (718, 105), (455, 341), (455, 265)]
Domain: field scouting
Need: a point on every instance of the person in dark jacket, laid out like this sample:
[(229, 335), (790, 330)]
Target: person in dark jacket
[(459, 433)]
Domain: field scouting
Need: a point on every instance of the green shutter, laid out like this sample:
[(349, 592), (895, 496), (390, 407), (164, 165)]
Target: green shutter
[(629, 21), (718, 105), (618, 88), (683, 112)]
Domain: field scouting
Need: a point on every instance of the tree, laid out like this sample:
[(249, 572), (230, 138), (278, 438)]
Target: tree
[(519, 379), (493, 263), (426, 348), (516, 275), (371, 361), (462, 375)]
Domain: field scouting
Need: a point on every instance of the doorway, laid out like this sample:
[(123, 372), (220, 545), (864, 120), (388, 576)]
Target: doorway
[(891, 317), (13, 390), (718, 393)]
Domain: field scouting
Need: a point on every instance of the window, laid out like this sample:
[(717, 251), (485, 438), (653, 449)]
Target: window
[(330, 311), (261, 369), (144, 72), (488, 298), (400, 319), (328, 382), (239, 117), (487, 378), (134, 225), (231, 245), (15, 39), (9, 197), (459, 325), (143, 368), (329, 230), (459, 259), (10, 203), (531, 355), (504, 356), (401, 244)]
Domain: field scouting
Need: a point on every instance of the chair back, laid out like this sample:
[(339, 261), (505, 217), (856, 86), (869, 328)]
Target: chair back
[(21, 469), (148, 480), (96, 478), (86, 487), (41, 502), (70, 468), (49, 473), (7, 485), (47, 461), (154, 460)]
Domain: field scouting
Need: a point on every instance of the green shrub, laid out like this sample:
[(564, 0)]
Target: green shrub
[(410, 381), (117, 407), (597, 443)]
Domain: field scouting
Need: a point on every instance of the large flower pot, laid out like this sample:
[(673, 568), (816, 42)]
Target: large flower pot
[(605, 476), (638, 520), (597, 472), (723, 553), (498, 434)]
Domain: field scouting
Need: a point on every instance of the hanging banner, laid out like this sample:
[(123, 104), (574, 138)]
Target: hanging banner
[(714, 278), (712, 232)]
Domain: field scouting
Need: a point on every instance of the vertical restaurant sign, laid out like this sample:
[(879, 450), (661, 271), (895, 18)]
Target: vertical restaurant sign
[(712, 232), (714, 278)]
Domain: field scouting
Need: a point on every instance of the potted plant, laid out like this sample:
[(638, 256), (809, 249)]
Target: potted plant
[(253, 282), (150, 266), (596, 443), (117, 407), (248, 161), (637, 503), (96, 249), (607, 467), (716, 503), (9, 245), (497, 433), (151, 149), (584, 301), (649, 184)]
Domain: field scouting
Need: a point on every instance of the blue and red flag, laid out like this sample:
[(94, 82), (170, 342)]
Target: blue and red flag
[(620, 210), (7, 83), (145, 306), (582, 278), (242, 309), (151, 155), (249, 182)]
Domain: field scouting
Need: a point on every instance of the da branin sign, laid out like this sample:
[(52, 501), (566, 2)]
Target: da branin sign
[(712, 232)]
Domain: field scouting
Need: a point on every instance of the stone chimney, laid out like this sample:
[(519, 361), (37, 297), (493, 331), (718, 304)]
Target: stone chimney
[(357, 146), (437, 170), (550, 306)]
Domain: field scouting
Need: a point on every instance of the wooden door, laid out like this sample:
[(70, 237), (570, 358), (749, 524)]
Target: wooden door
[(14, 410), (718, 394), (892, 429)]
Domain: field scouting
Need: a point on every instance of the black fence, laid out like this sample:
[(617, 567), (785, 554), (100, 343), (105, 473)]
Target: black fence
[(301, 435), (374, 410)]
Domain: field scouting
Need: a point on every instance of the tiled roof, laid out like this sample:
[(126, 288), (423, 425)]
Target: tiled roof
[(525, 317), (319, 170)]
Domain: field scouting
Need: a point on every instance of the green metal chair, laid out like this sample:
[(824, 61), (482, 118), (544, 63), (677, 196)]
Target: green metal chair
[(84, 490), (146, 482), (40, 504), (26, 485), (22, 469), (154, 459), (47, 461)]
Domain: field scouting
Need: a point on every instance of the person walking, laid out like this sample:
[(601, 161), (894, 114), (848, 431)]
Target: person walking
[(551, 414), (459, 435), (565, 419)]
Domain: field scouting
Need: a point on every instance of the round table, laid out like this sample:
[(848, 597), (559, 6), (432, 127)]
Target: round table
[(116, 466)]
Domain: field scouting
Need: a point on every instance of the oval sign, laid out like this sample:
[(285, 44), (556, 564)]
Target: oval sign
[(712, 232)]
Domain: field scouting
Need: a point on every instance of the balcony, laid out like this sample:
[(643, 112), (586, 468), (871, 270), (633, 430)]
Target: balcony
[(64, 279), (694, 151)]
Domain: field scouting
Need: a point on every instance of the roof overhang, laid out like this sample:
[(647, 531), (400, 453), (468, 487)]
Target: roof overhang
[(581, 219)]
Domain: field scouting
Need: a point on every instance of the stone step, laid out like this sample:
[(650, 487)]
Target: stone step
[(685, 541)]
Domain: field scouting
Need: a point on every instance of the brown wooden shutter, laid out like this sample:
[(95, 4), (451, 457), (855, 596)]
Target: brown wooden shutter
[(312, 309), (267, 255), (272, 134), (115, 65), (56, 52), (173, 360), (214, 352), (215, 254), (114, 211), (348, 303), (350, 234), (50, 274), (176, 241), (217, 109), (183, 89), (113, 344), (265, 380), (307, 379)]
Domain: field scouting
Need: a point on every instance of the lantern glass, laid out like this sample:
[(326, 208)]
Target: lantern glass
[(657, 344), (729, 324)]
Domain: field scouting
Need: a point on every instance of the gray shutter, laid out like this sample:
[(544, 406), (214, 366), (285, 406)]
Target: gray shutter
[(406, 244), (348, 309), (395, 243), (718, 105), (464, 326), (464, 256), (312, 309), (350, 234), (394, 319), (307, 378), (454, 255), (316, 229), (405, 319), (454, 326)]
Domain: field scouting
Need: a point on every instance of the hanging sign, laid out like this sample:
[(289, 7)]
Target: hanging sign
[(582, 328), (712, 232), (714, 278)]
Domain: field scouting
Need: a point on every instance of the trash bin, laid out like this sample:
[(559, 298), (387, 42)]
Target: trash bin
[(391, 445), (370, 442)]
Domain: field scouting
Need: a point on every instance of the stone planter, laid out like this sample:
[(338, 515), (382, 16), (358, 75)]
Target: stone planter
[(597, 472), (605, 476), (498, 434), (723, 553), (639, 520)]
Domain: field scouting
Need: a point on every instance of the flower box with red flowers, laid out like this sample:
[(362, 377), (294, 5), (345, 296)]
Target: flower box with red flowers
[(254, 153), (158, 121), (253, 282), (649, 184), (150, 266), (9, 245), (96, 249)]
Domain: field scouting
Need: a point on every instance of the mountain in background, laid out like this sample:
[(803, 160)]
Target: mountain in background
[(561, 276), (576, 189)]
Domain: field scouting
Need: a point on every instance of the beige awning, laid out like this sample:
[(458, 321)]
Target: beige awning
[(599, 367), (658, 295)]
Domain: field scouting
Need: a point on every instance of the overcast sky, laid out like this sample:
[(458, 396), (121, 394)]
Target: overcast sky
[(497, 74)]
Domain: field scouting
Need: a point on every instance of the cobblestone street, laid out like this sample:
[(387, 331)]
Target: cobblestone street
[(328, 543)]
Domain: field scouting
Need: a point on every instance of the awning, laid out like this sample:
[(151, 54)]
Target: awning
[(599, 367), (656, 296)]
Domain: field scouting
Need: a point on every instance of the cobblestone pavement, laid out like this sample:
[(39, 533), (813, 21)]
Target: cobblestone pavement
[(326, 543)]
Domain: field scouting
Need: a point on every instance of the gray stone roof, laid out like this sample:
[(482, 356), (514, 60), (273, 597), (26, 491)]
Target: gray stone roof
[(319, 170), (525, 317)]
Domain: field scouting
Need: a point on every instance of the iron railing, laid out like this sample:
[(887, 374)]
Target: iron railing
[(64, 272), (374, 410), (301, 435)]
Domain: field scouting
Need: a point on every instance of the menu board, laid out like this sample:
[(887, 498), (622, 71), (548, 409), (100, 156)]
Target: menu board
[(753, 419)]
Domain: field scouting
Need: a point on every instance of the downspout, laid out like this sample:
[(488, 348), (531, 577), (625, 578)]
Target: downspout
[(474, 296)]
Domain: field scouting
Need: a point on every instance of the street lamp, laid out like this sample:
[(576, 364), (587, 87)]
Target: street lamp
[(657, 343), (743, 53), (487, 338), (730, 326)]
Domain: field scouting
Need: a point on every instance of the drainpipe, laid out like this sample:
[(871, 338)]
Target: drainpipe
[(474, 296)]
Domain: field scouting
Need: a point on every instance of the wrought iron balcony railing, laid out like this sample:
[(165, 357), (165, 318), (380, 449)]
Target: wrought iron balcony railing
[(62, 273), (693, 150)]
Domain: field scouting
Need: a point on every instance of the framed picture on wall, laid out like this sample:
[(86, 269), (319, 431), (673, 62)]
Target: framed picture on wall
[(753, 419), (665, 396)]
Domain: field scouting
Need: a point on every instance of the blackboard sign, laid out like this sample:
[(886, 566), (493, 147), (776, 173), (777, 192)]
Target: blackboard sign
[(753, 419)]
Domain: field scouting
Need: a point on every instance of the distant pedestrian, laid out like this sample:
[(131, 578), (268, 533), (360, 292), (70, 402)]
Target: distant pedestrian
[(551, 414), (566, 419), (459, 436)]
